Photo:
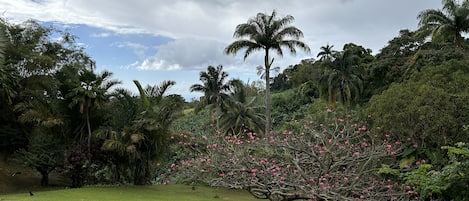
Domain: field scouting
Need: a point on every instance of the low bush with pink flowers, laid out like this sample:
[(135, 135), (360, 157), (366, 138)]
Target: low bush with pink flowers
[(333, 160)]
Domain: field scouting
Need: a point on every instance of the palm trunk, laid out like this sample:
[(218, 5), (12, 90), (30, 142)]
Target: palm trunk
[(89, 133), (267, 94)]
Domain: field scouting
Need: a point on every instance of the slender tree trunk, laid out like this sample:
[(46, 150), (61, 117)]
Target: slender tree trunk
[(267, 94), (89, 133)]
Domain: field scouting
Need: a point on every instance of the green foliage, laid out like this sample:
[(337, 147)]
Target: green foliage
[(342, 77), (448, 183), (45, 153), (430, 108)]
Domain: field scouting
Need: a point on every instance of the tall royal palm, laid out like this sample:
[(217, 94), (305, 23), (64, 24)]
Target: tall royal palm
[(267, 33), (214, 87), (448, 24)]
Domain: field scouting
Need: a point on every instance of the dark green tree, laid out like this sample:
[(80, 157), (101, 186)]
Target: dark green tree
[(430, 108), (267, 33), (44, 153), (151, 132), (326, 53), (92, 90), (342, 76)]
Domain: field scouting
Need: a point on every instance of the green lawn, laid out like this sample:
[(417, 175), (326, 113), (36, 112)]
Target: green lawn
[(135, 193)]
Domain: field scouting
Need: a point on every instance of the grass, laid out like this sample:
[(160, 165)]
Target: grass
[(135, 193)]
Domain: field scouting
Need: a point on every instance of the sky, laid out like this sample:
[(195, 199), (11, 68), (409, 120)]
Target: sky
[(156, 40)]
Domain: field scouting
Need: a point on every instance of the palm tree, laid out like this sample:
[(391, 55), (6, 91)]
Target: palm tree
[(242, 112), (214, 87), (341, 77), (267, 33), (8, 76), (91, 92), (326, 53), (446, 25), (153, 126)]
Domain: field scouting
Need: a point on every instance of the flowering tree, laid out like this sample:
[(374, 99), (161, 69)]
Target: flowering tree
[(338, 160)]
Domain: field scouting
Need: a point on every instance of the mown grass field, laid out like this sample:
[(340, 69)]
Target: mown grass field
[(133, 193)]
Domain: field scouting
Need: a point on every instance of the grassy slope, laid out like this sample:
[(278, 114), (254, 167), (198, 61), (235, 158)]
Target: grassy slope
[(134, 193)]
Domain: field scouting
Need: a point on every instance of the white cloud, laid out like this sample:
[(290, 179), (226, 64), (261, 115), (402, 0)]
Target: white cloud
[(101, 35), (137, 48), (188, 53)]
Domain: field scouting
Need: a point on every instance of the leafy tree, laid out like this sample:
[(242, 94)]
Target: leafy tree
[(267, 33), (448, 24), (45, 153), (214, 88), (430, 108), (392, 63)]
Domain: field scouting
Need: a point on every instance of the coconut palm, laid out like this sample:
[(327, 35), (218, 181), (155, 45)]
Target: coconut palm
[(326, 53), (242, 113), (214, 87), (448, 24), (267, 33)]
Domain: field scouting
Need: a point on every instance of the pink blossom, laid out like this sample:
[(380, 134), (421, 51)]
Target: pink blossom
[(204, 137), (423, 161), (254, 170), (356, 154), (364, 144), (397, 143), (345, 178), (222, 174), (329, 110)]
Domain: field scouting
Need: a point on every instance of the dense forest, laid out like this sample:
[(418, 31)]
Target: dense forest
[(346, 125)]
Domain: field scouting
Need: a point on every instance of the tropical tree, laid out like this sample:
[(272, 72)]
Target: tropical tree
[(242, 113), (214, 87), (91, 92), (326, 53), (448, 24), (341, 77), (267, 33), (151, 130)]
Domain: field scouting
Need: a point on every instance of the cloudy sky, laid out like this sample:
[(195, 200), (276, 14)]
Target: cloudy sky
[(156, 40)]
